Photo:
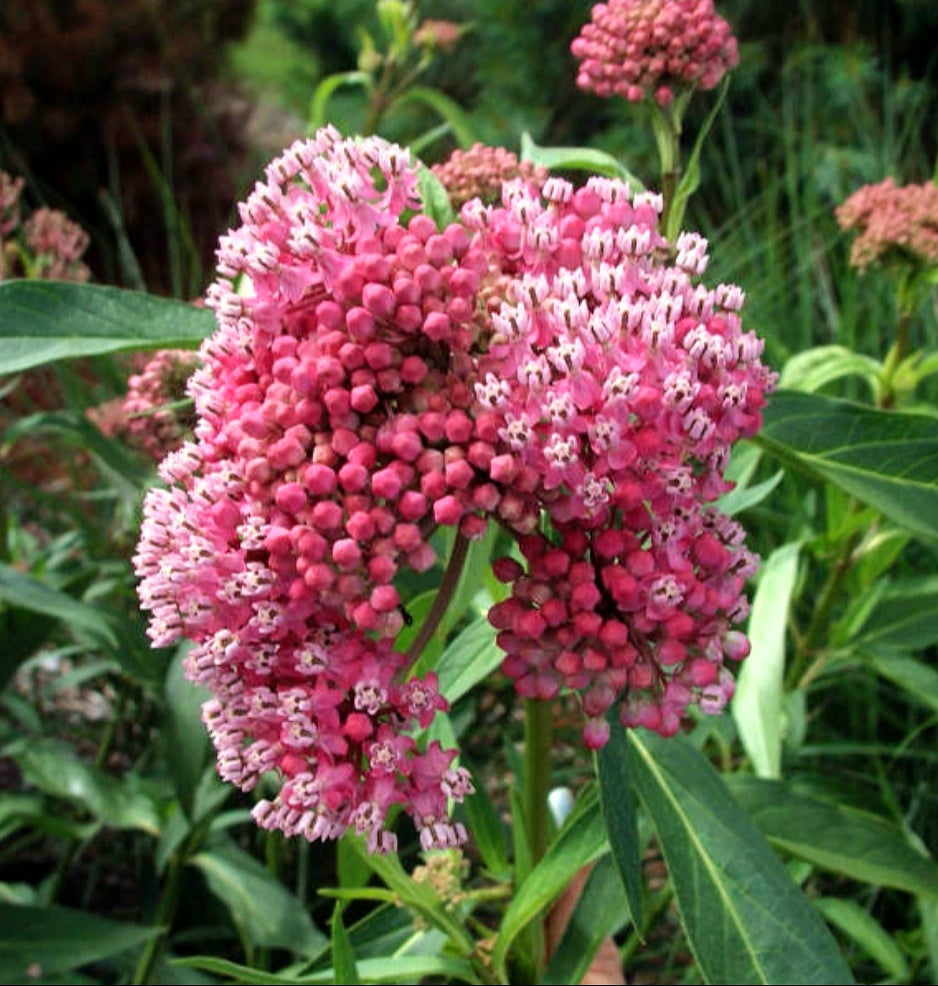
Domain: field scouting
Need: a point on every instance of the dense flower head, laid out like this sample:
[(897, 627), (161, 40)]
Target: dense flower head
[(330, 441), (613, 385), (893, 223), (481, 171), (635, 48)]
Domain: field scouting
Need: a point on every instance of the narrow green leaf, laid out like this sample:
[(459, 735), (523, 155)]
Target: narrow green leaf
[(387, 969), (325, 91), (445, 108), (618, 804), (45, 321), (835, 837), (23, 591), (581, 841), (472, 656), (918, 680), (435, 198), (928, 909), (905, 617), (886, 459), (57, 939), (811, 369), (577, 159), (265, 912), (488, 832), (757, 704), (600, 911), (744, 497), (745, 919), (343, 958), (52, 767), (868, 933), (185, 738)]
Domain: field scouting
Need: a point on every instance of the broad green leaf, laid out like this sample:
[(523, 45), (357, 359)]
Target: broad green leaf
[(343, 958), (618, 804), (581, 841), (867, 932), (757, 703), (445, 108), (22, 591), (45, 321), (577, 159), (811, 369), (600, 911), (905, 617), (57, 939), (745, 920), (886, 459), (854, 843), (265, 912), (52, 767), (185, 738), (326, 89), (919, 680), (387, 969)]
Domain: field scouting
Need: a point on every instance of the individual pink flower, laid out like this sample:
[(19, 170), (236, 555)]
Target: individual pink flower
[(636, 48), (892, 223), (611, 387)]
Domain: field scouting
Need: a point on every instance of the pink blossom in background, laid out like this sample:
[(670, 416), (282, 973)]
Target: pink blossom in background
[(892, 222), (636, 48), (481, 171)]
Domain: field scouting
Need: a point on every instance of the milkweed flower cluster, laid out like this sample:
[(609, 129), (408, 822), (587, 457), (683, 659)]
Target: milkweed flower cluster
[(893, 222), (481, 171), (635, 48), (373, 378)]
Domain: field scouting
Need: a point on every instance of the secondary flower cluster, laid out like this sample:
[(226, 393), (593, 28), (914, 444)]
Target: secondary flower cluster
[(373, 378), (893, 223), (481, 171), (611, 389), (633, 48)]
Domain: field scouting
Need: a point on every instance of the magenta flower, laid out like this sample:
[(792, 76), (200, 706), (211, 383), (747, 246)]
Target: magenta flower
[(635, 48)]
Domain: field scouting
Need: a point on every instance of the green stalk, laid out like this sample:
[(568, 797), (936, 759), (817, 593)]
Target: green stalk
[(166, 911)]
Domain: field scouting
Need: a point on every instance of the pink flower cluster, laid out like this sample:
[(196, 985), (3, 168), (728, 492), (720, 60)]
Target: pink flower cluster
[(612, 387), (633, 48), (480, 172), (893, 222), (373, 378)]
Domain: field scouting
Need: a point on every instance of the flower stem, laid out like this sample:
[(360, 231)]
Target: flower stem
[(442, 599)]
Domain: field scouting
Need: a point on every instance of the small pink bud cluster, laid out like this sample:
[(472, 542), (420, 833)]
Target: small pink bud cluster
[(10, 191), (480, 172), (57, 244), (894, 223), (633, 48), (148, 417), (333, 437), (612, 387)]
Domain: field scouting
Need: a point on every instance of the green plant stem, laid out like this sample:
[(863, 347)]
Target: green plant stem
[(165, 913), (443, 598), (820, 622), (666, 124)]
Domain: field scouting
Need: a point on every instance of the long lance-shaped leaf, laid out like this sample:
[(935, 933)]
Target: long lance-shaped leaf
[(745, 920), (886, 459), (45, 321)]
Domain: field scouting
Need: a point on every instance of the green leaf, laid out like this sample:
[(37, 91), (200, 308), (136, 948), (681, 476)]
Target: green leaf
[(757, 704), (435, 198), (265, 912), (745, 919), (744, 497), (343, 958), (919, 680), (488, 832), (58, 939), (472, 656), (445, 108), (52, 767), (387, 969), (886, 459), (185, 738), (835, 837), (618, 804), (326, 89), (577, 159), (22, 591), (600, 911), (581, 841), (905, 617), (45, 321), (868, 933), (811, 369)]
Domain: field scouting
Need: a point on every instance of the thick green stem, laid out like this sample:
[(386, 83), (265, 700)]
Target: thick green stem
[(165, 913), (442, 599)]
